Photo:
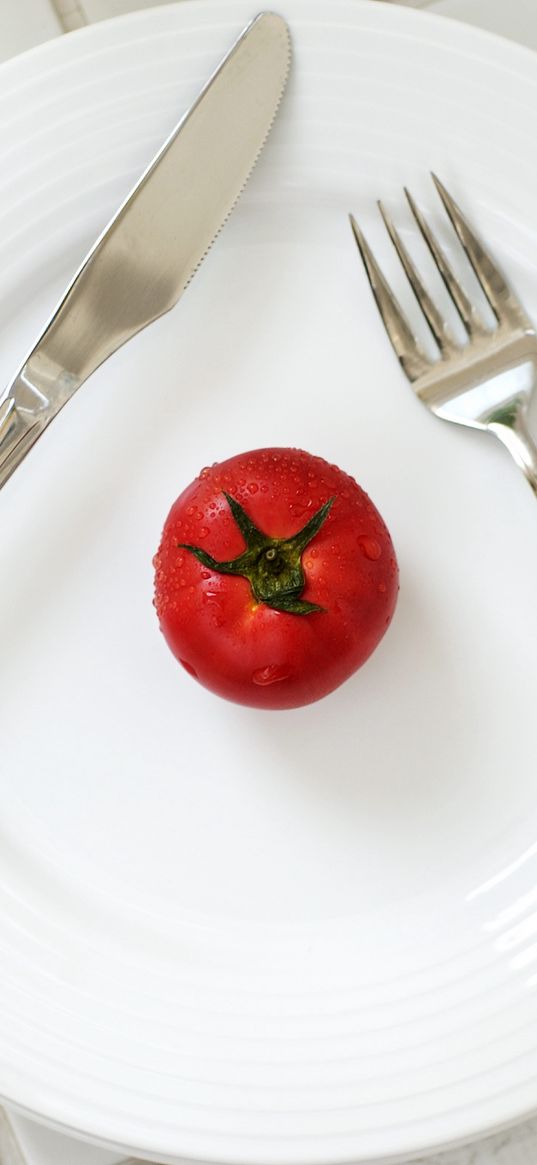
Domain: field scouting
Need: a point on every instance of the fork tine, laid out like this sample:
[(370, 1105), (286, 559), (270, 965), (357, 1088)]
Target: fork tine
[(472, 322), (499, 295), (412, 359), (437, 325)]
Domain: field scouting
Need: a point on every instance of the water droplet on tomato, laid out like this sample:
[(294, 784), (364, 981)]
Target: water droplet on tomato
[(382, 588), (370, 547), (203, 532), (272, 673), (188, 667), (205, 574), (253, 487), (205, 472)]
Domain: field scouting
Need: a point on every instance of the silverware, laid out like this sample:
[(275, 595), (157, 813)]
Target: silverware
[(148, 253), (465, 384)]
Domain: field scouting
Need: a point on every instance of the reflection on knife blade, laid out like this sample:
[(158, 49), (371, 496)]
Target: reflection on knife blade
[(145, 258)]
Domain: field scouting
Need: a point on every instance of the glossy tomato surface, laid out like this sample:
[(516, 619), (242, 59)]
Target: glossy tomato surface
[(275, 578)]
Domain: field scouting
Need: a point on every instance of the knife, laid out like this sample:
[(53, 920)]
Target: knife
[(142, 262)]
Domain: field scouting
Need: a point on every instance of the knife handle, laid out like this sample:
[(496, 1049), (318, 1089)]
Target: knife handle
[(38, 392), (17, 434)]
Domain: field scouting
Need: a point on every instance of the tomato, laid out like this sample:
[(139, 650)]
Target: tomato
[(275, 578)]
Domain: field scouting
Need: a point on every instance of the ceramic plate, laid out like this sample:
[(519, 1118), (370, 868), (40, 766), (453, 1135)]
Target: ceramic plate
[(230, 935)]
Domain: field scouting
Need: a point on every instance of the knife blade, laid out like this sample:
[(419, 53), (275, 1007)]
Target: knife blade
[(143, 260)]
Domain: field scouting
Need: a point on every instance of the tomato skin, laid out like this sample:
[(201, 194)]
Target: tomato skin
[(247, 651)]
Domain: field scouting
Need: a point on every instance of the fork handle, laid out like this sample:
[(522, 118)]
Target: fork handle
[(514, 433)]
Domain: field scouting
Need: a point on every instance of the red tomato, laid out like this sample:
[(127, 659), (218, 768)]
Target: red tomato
[(275, 578)]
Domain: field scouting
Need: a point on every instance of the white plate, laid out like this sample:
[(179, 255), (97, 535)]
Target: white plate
[(226, 934)]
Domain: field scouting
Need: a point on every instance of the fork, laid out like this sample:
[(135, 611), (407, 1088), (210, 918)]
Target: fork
[(464, 383)]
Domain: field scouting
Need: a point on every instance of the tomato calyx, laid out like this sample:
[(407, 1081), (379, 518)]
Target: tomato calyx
[(273, 566)]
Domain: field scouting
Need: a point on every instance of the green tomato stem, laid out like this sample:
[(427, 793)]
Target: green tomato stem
[(272, 566)]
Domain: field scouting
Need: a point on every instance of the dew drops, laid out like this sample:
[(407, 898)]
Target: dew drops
[(205, 472), (253, 487), (203, 532), (370, 547), (272, 673), (382, 588), (212, 599), (205, 574), (189, 668), (190, 510)]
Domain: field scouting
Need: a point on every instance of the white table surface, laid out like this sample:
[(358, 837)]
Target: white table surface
[(23, 24)]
